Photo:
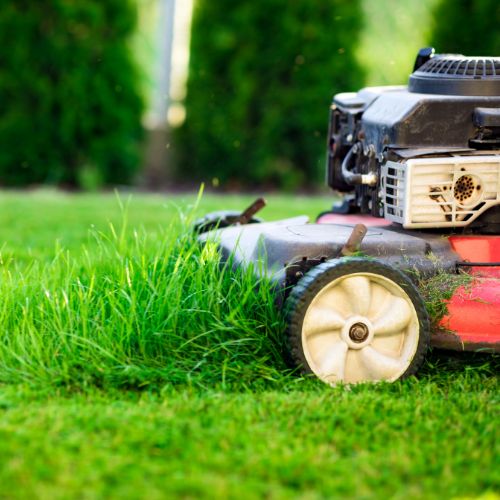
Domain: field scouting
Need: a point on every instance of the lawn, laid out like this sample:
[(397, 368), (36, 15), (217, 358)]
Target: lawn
[(132, 366)]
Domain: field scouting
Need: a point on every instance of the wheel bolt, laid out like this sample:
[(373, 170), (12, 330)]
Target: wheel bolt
[(358, 332)]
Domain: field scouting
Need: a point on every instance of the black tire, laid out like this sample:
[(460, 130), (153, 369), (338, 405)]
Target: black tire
[(219, 220), (302, 295)]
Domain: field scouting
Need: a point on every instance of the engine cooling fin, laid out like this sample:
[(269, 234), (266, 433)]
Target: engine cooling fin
[(455, 74)]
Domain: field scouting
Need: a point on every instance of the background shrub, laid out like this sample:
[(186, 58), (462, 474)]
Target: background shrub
[(69, 103), (260, 83), (469, 27)]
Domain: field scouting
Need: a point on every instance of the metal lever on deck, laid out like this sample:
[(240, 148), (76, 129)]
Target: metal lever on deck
[(248, 213), (354, 241)]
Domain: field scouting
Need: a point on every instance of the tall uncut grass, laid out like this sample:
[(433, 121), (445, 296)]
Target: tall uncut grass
[(138, 309)]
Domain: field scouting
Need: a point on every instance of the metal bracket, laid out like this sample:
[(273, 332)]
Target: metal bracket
[(296, 270)]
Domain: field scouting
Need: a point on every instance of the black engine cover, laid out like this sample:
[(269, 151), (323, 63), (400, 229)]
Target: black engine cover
[(403, 119), (451, 105)]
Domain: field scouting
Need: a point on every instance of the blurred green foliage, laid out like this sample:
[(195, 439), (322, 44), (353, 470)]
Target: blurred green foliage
[(69, 100), (260, 83), (470, 27), (392, 34)]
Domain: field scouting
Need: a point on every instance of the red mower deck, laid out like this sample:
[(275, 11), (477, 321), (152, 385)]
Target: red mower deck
[(473, 319)]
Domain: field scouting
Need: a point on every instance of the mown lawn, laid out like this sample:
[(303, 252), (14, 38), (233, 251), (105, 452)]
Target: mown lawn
[(133, 367)]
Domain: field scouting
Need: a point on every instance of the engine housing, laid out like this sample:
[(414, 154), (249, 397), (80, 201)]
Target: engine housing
[(413, 154)]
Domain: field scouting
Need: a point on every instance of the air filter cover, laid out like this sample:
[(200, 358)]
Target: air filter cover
[(455, 74)]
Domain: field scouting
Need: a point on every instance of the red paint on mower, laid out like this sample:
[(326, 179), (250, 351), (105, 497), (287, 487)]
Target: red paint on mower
[(483, 249), (473, 319), (367, 220)]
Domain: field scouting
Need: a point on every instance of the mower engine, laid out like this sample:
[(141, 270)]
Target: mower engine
[(426, 155)]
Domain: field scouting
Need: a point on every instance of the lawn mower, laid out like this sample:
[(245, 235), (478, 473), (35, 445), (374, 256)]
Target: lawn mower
[(419, 170)]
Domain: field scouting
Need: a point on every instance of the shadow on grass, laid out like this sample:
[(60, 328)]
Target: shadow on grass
[(453, 362)]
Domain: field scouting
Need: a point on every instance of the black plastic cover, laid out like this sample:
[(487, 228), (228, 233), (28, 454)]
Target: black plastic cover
[(487, 117), (455, 74)]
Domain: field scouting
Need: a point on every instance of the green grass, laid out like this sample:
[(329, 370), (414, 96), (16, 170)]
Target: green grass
[(133, 306), (132, 366), (437, 290)]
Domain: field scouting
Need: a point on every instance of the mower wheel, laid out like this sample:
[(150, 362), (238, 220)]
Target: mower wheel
[(219, 220), (357, 320)]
